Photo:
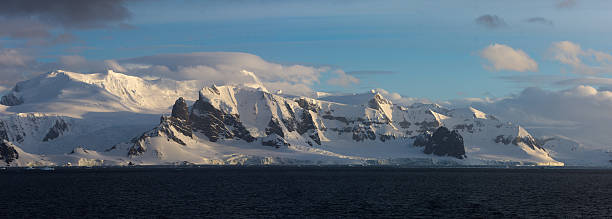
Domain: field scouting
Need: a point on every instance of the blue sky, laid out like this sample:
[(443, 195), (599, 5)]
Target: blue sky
[(424, 49)]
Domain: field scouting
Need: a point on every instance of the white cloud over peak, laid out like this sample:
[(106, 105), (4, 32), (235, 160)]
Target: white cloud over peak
[(397, 98), (502, 57), (342, 79), (581, 113), (214, 65), (581, 61), (214, 68), (209, 67), (226, 68)]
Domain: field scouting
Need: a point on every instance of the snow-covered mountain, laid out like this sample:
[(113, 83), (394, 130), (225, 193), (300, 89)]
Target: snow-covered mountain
[(75, 94), (66, 118)]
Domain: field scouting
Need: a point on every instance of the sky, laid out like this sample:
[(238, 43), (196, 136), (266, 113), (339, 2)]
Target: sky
[(434, 50), (545, 65)]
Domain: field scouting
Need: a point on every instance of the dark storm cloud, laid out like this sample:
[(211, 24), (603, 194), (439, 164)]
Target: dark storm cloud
[(540, 20), (23, 28), (490, 21), (67, 13)]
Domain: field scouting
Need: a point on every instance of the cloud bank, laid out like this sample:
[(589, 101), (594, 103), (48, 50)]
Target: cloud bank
[(67, 13), (581, 113), (209, 67), (41, 22), (502, 57), (589, 62)]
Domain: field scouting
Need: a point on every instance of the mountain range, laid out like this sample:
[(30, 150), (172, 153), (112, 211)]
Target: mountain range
[(75, 119)]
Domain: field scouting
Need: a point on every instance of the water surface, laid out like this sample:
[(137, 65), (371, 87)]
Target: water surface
[(305, 191)]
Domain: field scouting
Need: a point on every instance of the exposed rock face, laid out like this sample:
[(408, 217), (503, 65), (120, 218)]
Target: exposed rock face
[(169, 126), (10, 100), (378, 101), (55, 131), (180, 110), (274, 140), (361, 133), (3, 131), (442, 142), (307, 125), (274, 128), (216, 124), (139, 146), (8, 152), (527, 140), (307, 105)]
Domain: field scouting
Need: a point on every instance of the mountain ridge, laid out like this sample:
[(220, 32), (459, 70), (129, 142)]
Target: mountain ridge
[(246, 124)]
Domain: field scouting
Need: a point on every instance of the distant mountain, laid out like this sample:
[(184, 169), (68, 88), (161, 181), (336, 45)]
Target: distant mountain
[(66, 118)]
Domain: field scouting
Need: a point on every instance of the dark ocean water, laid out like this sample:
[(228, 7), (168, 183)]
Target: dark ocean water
[(304, 192)]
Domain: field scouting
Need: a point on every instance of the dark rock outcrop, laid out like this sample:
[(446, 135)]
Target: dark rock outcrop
[(465, 127), (527, 140), (3, 131), (180, 109), (274, 140), (442, 142), (56, 130), (8, 153), (307, 105), (216, 124), (377, 101), (502, 139), (138, 146), (178, 121), (361, 133), (308, 125), (426, 126), (274, 128), (384, 137), (166, 127), (405, 124)]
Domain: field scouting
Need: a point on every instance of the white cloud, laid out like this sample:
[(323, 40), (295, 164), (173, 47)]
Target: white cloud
[(502, 57), (13, 57), (217, 68), (397, 98), (581, 61), (342, 79), (203, 65), (581, 113), (15, 64), (209, 67)]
